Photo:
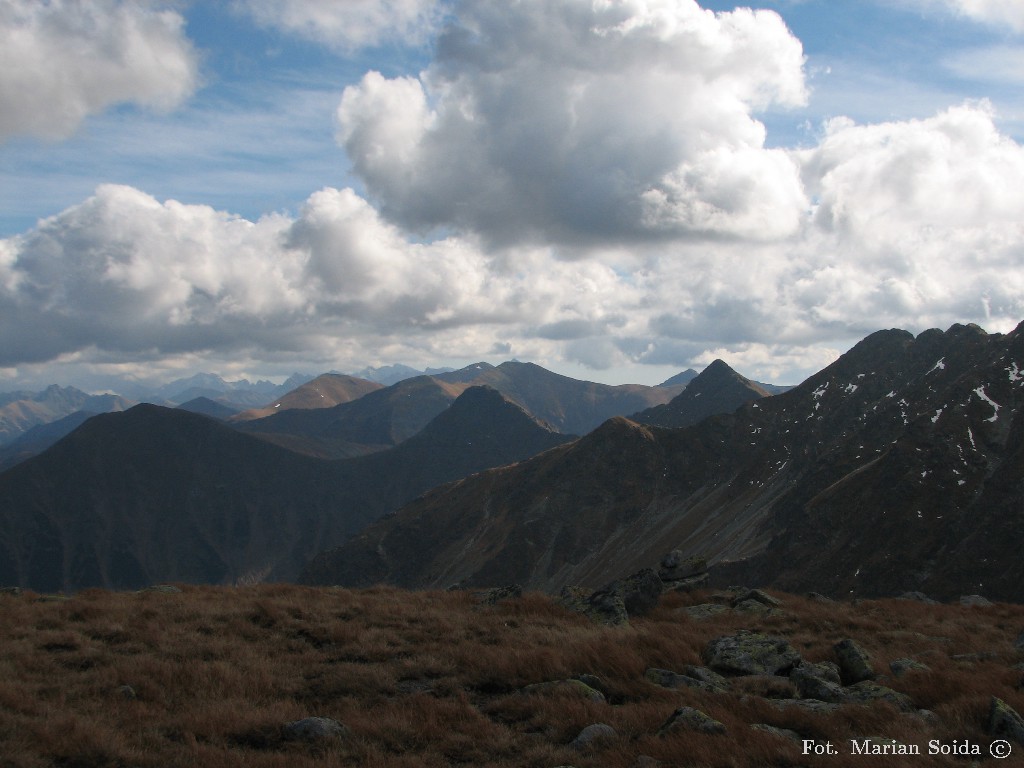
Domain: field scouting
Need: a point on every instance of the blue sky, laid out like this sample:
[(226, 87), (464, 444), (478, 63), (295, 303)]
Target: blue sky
[(616, 190)]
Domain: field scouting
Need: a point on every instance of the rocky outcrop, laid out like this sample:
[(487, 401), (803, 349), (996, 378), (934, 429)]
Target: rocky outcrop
[(854, 662), (1004, 722), (691, 719), (636, 595), (750, 653)]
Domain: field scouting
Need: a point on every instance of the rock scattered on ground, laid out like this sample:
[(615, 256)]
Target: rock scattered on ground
[(691, 719), (315, 729), (593, 736), (854, 662)]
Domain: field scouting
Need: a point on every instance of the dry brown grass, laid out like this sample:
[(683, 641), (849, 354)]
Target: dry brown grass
[(433, 679)]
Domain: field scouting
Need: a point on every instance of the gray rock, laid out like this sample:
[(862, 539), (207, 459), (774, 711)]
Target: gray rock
[(497, 594), (817, 682), (1004, 722), (758, 596), (750, 653), (782, 733), (595, 682), (975, 600), (593, 735), (704, 610), (640, 592), (1019, 645), (868, 692), (692, 720), (819, 598), (669, 679), (900, 667), (315, 729), (14, 591), (705, 675), (752, 606), (127, 692), (613, 604), (676, 567), (854, 662), (689, 584), (601, 607)]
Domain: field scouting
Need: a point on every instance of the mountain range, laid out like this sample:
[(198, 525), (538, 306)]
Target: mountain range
[(159, 494), (898, 468)]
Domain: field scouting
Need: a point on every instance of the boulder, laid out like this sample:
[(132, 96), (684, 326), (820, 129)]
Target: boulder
[(1004, 722), (497, 594), (592, 736), (613, 604), (676, 567), (669, 679), (704, 610), (757, 596), (691, 719), (1019, 645), (14, 591), (601, 607), (975, 600), (854, 662), (900, 667), (750, 653), (315, 729), (868, 692), (814, 681)]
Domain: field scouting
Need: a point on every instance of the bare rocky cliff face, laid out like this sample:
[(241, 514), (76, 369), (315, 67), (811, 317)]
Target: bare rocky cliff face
[(899, 467)]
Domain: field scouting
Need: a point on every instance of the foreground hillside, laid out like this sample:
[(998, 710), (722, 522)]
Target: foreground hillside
[(218, 677)]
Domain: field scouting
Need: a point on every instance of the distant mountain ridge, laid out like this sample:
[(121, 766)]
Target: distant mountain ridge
[(899, 467), (156, 494), (717, 389)]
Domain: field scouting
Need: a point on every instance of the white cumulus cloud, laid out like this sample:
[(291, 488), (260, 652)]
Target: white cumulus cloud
[(576, 120), (63, 60), (347, 24)]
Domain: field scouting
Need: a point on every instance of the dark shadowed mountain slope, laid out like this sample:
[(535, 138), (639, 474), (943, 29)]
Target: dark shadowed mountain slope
[(571, 406), (899, 467), (717, 389), (156, 494), (39, 438), (324, 391)]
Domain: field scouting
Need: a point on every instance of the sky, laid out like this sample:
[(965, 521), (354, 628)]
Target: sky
[(617, 190)]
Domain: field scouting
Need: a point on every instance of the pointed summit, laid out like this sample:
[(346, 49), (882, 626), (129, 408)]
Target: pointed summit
[(717, 389)]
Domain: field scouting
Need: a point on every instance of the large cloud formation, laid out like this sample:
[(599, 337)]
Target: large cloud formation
[(594, 187), (62, 60), (585, 120)]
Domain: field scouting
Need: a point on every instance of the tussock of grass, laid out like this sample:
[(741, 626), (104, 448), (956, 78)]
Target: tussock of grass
[(433, 679)]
